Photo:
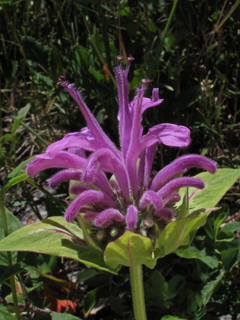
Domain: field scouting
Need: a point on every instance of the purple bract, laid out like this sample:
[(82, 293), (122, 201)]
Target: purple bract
[(132, 199)]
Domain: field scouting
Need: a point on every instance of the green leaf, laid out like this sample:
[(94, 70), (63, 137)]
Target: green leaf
[(178, 233), (211, 262), (209, 230), (191, 302), (6, 137), (56, 237), (184, 208), (16, 176), (225, 236), (46, 263), (12, 182), (84, 55), (99, 43), (191, 253), (216, 185), (125, 12), (13, 225), (35, 51), (219, 220), (209, 288), (20, 169), (158, 287), (174, 285), (229, 258), (5, 315), (231, 226), (97, 74), (130, 249), (23, 112), (89, 302), (118, 305), (7, 271), (87, 274), (18, 119)]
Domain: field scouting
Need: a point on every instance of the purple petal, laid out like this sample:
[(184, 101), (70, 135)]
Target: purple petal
[(179, 166), (171, 198), (90, 216), (81, 139), (105, 160), (124, 116), (62, 159), (89, 196), (150, 197), (131, 218), (107, 217), (78, 151), (64, 175), (179, 183), (148, 103), (101, 139), (141, 167), (165, 213), (103, 184), (77, 189), (120, 58), (133, 150), (150, 154), (145, 166), (101, 181), (169, 134)]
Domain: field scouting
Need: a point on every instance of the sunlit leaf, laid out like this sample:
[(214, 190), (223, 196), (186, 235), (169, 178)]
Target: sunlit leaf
[(216, 185), (57, 237), (130, 249), (178, 233), (13, 225)]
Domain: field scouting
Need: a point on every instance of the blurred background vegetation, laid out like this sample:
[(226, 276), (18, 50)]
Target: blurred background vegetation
[(190, 50)]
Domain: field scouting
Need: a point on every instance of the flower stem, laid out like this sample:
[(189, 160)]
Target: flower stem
[(136, 279), (12, 280)]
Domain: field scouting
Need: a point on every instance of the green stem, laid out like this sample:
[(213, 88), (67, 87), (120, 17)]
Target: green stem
[(12, 280), (136, 279), (168, 22)]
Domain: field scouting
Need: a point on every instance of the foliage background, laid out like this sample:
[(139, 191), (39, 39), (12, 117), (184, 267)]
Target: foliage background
[(190, 50)]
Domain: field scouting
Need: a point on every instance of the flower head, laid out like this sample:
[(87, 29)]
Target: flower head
[(132, 199)]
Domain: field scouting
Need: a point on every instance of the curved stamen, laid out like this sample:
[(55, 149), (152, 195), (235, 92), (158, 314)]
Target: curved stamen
[(165, 213), (64, 175), (131, 218), (89, 196), (150, 154), (105, 160), (150, 197), (179, 183), (90, 216), (77, 189), (171, 198), (179, 166), (107, 217)]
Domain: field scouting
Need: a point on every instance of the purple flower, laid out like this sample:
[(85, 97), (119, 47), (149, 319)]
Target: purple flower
[(132, 199)]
